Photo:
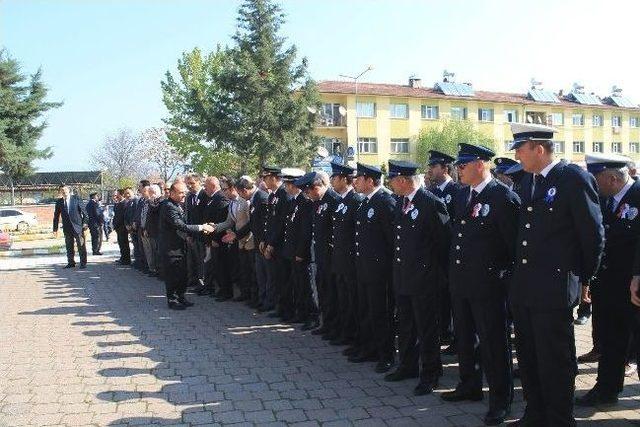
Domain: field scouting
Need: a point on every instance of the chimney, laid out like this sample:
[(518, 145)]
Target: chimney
[(415, 82)]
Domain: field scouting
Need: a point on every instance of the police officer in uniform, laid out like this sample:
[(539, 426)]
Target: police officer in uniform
[(560, 241), (419, 260), (342, 266), (515, 173), (620, 201), (502, 165), (445, 188), (482, 248), (374, 240)]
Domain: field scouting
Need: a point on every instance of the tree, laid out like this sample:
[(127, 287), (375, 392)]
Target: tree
[(124, 158), (22, 107), (163, 157), (446, 136)]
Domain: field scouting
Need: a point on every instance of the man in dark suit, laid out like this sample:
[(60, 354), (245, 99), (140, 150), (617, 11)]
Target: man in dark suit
[(74, 222), (374, 241), (612, 309), (119, 225), (96, 221), (420, 250), (439, 171), (193, 207), (559, 245), (484, 232), (173, 232)]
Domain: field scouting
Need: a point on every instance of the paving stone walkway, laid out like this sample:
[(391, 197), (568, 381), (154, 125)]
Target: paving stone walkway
[(99, 347)]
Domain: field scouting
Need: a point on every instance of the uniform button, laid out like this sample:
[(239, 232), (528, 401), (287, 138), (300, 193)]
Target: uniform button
[(357, 244), (457, 247), (527, 225), (398, 226), (356, 233), (357, 253), (459, 234), (398, 259), (529, 208), (397, 248), (457, 261), (463, 222), (398, 237), (524, 243), (358, 222), (524, 260)]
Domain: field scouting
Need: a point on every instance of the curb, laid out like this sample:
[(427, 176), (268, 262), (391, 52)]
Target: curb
[(53, 250)]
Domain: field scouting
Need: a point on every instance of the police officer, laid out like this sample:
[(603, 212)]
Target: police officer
[(515, 173), (374, 239), (612, 309), (445, 188), (419, 255), (502, 165), (481, 253), (342, 266), (325, 200), (560, 241)]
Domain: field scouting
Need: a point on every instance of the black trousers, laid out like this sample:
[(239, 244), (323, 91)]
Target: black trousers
[(482, 341), (175, 276), (71, 239), (446, 311), (419, 335), (547, 360), (327, 296), (247, 270), (285, 284), (302, 293), (138, 256), (123, 243), (96, 237), (346, 287), (376, 324)]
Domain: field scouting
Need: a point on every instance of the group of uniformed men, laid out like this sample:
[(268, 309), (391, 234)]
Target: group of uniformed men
[(359, 265)]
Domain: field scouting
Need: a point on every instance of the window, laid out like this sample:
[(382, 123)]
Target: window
[(634, 147), (399, 111), (616, 147), (458, 113), (511, 116), (558, 146), (597, 120), (578, 119), (634, 122), (556, 119), (333, 145), (485, 114), (399, 145), (366, 109), (598, 147), (429, 111), (367, 145), (578, 146), (330, 115), (616, 121)]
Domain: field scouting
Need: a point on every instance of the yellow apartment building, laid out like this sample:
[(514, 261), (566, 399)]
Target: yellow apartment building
[(386, 118)]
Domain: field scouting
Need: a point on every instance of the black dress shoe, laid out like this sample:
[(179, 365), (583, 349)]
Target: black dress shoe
[(458, 395), (363, 357), (496, 417), (591, 357), (595, 398), (185, 302), (400, 375), (175, 305), (424, 387), (69, 266), (581, 320), (383, 366), (351, 351)]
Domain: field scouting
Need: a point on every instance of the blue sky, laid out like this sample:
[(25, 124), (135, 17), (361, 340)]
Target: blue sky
[(105, 59)]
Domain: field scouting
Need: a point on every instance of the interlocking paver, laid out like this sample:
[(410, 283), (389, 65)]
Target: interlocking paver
[(99, 347)]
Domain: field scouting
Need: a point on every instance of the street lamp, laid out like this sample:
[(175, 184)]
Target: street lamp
[(355, 80)]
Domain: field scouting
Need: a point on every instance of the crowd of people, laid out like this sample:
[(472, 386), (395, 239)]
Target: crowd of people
[(395, 273)]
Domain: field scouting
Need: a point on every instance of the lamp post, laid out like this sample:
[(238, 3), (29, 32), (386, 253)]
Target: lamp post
[(355, 80)]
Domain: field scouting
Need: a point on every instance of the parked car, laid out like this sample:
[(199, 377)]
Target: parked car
[(5, 240), (15, 219)]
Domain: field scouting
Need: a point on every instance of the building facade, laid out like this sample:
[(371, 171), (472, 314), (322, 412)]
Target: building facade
[(385, 119)]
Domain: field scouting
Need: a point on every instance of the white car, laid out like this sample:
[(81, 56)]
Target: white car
[(15, 219)]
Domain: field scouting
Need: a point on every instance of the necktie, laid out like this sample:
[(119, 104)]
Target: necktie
[(406, 204), (611, 204), (472, 197), (538, 181)]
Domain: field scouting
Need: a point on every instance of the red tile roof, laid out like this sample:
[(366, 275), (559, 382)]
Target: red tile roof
[(405, 91)]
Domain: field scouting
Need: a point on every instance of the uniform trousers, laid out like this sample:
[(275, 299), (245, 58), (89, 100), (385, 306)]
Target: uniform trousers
[(327, 296), (419, 335), (346, 287), (302, 293), (265, 289), (285, 285), (483, 345), (247, 270), (547, 360), (376, 322)]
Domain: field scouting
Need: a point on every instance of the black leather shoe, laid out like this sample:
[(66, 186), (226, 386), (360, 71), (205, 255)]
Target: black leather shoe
[(400, 375), (458, 395), (495, 417), (185, 302), (424, 387), (175, 305), (69, 266), (363, 357), (350, 351), (596, 398), (592, 357), (581, 320), (383, 366)]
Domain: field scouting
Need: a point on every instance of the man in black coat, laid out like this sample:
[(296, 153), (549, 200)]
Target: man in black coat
[(193, 206), (74, 222), (96, 221), (173, 233), (374, 241), (325, 200), (419, 255), (612, 309), (342, 265), (559, 245), (439, 171), (119, 225), (482, 249)]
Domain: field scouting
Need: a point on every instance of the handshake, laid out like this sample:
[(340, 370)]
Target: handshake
[(208, 228)]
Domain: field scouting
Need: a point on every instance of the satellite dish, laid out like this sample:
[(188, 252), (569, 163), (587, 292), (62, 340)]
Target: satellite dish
[(342, 111), (322, 151), (312, 110)]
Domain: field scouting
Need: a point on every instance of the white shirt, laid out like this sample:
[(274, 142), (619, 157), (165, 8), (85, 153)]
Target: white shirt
[(618, 197), (375, 190), (412, 195), (483, 184), (444, 184), (343, 195), (544, 172)]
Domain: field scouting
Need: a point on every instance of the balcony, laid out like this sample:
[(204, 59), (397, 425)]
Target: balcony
[(331, 120)]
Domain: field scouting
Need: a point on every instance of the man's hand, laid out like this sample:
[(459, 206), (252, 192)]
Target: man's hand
[(207, 228), (261, 247), (268, 252), (229, 237), (634, 287), (298, 259), (586, 295)]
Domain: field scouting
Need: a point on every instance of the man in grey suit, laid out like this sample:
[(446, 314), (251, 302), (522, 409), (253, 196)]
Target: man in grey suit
[(74, 222)]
